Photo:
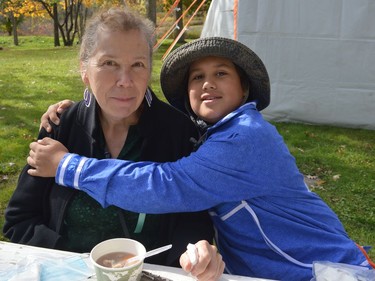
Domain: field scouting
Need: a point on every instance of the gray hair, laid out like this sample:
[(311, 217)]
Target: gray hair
[(115, 19)]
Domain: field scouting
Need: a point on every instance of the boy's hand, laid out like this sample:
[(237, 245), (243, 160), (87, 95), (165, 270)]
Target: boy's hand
[(51, 114), (45, 156), (209, 266)]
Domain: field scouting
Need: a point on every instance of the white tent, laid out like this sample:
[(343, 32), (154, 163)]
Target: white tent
[(320, 55)]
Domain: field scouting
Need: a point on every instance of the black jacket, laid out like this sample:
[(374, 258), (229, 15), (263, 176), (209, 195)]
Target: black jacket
[(36, 210)]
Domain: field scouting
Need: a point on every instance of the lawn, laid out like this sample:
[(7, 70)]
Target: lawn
[(339, 163)]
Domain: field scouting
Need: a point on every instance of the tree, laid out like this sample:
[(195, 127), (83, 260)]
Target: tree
[(13, 13), (69, 16), (13, 22), (6, 24), (151, 10), (67, 12)]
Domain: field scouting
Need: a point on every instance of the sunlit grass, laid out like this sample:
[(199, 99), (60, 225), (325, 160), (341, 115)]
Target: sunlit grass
[(27, 42), (343, 161)]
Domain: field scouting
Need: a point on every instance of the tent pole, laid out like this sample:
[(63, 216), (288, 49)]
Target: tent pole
[(173, 7), (182, 31), (235, 19), (173, 26)]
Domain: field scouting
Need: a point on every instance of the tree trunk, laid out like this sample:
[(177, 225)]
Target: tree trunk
[(180, 24), (9, 27), (56, 26), (151, 10), (14, 26), (83, 14)]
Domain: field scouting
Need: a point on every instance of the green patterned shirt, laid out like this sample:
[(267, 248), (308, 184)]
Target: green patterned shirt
[(87, 223)]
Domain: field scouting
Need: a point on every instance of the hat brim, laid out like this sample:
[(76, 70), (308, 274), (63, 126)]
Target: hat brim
[(174, 72)]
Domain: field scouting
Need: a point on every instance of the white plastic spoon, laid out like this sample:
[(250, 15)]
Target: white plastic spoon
[(145, 255)]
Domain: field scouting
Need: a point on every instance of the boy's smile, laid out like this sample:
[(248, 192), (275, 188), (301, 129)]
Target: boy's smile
[(209, 98), (214, 88)]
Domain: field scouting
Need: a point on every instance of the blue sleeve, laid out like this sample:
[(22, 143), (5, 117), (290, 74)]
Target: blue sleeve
[(198, 182), (224, 169)]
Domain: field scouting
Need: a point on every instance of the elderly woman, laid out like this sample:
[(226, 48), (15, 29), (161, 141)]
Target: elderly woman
[(120, 117)]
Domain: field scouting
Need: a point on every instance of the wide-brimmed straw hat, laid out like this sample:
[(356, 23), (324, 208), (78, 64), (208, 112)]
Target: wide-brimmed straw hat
[(174, 72)]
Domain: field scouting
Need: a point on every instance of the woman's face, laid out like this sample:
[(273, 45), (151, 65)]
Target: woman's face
[(118, 72), (214, 88)]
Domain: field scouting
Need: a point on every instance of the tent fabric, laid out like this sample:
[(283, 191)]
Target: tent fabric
[(320, 55)]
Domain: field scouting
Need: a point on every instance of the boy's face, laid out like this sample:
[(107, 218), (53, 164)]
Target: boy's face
[(214, 88)]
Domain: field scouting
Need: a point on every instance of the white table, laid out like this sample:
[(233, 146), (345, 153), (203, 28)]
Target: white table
[(27, 260)]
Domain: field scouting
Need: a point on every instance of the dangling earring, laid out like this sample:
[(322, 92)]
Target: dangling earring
[(87, 97)]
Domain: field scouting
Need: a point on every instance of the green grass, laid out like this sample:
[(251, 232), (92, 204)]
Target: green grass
[(27, 42), (343, 160), (35, 74)]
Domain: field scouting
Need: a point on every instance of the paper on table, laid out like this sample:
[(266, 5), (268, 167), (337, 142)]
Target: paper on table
[(46, 269), (65, 269), (323, 271), (24, 271)]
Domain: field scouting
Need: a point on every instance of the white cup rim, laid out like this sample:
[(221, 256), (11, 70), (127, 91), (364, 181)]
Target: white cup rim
[(113, 240)]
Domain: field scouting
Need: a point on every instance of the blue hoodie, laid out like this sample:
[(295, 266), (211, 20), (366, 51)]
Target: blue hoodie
[(268, 223)]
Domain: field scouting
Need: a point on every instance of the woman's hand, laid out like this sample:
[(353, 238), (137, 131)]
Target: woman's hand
[(209, 266), (45, 156), (51, 114)]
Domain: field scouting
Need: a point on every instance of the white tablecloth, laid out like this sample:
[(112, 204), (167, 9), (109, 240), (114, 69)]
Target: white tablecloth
[(20, 263)]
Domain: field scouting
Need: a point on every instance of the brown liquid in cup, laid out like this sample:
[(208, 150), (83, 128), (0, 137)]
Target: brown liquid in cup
[(114, 260)]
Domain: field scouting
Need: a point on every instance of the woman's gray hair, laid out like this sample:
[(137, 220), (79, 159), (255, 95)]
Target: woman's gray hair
[(115, 19)]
